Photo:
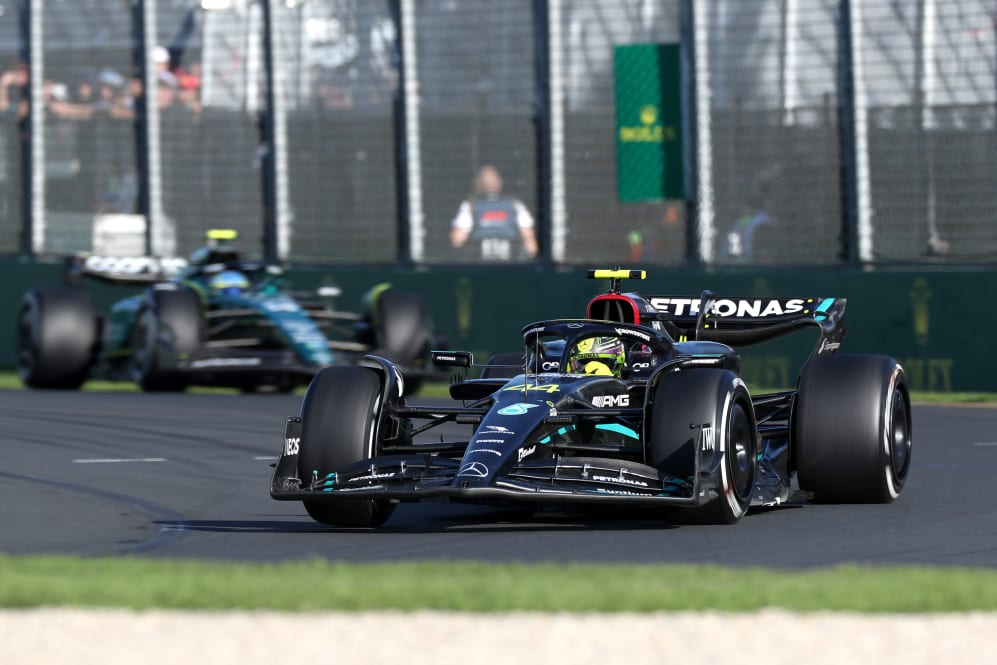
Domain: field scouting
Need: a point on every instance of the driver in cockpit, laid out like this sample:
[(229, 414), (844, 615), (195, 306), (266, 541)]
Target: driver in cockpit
[(604, 356)]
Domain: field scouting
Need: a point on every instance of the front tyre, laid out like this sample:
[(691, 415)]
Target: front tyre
[(684, 404), (852, 429), (339, 427), (169, 327)]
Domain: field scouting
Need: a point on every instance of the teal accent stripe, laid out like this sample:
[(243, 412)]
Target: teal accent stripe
[(561, 431), (821, 311), (619, 429), (607, 427)]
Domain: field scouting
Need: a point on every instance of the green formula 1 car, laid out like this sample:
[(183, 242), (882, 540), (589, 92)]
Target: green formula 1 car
[(215, 320)]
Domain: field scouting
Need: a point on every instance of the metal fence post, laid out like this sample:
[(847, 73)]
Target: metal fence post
[(411, 221), (695, 253), (401, 140), (25, 130), (846, 125), (268, 145), (542, 122), (158, 239), (556, 224), (32, 128), (139, 66)]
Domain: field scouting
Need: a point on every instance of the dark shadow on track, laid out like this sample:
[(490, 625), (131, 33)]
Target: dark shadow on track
[(478, 519), (499, 522)]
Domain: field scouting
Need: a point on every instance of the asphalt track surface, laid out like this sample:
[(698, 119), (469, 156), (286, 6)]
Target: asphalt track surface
[(187, 476)]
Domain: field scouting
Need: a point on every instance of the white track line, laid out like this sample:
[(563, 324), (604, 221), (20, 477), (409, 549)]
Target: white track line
[(111, 460)]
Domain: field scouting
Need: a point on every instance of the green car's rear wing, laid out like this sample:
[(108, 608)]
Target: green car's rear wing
[(121, 270)]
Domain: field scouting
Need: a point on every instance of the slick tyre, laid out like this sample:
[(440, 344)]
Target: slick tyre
[(851, 438), (402, 334), (513, 362), (57, 338), (339, 427), (401, 326), (169, 327), (686, 402)]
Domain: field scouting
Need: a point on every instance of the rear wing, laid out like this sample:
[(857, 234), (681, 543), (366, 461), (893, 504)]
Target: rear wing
[(741, 321), (121, 270), (735, 321)]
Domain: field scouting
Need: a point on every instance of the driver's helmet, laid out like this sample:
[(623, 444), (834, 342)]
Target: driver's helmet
[(604, 356), (229, 282)]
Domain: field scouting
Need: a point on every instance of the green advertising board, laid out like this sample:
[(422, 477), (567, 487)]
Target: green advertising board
[(926, 317), (648, 86)]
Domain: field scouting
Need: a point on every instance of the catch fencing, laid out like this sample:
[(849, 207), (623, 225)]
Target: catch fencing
[(813, 132)]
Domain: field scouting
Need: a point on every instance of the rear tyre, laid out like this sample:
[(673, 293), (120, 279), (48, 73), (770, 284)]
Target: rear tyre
[(852, 429), (513, 359), (683, 403), (401, 333), (338, 428), (401, 326), (169, 327), (57, 337)]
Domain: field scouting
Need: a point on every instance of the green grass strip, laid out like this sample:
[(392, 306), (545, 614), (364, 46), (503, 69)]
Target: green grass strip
[(485, 587)]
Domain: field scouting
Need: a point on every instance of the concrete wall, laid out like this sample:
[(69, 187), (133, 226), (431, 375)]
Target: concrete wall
[(936, 322)]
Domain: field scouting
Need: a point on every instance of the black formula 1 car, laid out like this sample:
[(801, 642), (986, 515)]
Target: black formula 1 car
[(214, 320), (640, 403)]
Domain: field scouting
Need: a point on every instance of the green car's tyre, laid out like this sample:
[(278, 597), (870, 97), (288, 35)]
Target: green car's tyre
[(169, 327), (402, 332), (57, 338)]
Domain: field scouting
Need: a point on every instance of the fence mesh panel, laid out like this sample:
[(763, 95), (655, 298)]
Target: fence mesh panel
[(88, 129), (771, 186), (772, 107), (600, 229), (929, 74), (337, 75), (477, 108), (208, 71)]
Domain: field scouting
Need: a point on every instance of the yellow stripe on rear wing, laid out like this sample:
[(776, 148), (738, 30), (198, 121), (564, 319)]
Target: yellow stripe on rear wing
[(221, 234), (616, 274)]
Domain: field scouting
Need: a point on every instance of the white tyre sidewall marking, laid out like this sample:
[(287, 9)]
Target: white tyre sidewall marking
[(729, 494), (887, 432)]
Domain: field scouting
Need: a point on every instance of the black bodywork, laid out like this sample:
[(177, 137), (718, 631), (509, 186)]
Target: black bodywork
[(677, 428)]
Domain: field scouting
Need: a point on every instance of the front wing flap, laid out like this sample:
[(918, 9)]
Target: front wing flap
[(218, 361), (564, 479)]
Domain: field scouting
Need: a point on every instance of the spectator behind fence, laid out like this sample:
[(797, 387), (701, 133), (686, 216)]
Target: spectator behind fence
[(659, 242), (59, 104), (491, 225), (742, 240), (13, 84), (112, 99)]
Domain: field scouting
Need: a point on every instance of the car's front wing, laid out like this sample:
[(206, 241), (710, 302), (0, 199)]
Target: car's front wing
[(563, 479)]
